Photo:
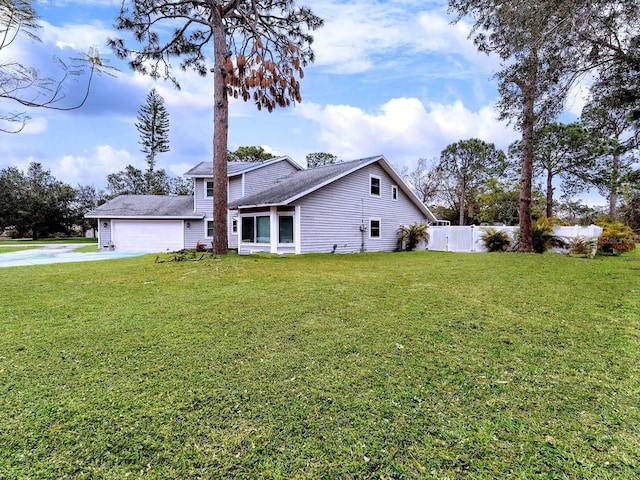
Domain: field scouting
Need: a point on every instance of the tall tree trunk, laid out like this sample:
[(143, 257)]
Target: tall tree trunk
[(463, 196), (549, 194), (613, 190), (220, 134), (526, 169)]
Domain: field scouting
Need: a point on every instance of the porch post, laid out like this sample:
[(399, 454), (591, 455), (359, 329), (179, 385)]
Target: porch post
[(297, 240), (274, 229)]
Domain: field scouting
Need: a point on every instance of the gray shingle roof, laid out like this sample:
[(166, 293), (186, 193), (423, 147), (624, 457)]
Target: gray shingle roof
[(205, 169), (300, 183), (287, 188), (148, 206)]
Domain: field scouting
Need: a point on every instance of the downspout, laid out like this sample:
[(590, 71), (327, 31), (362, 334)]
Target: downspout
[(363, 229)]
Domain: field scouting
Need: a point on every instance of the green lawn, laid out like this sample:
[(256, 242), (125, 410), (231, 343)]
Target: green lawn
[(409, 365)]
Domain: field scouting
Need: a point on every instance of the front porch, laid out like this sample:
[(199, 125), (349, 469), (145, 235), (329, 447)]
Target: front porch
[(269, 230)]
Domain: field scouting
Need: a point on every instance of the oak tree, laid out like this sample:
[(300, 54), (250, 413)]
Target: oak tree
[(259, 49), (318, 159), (35, 202), (249, 154), (468, 163)]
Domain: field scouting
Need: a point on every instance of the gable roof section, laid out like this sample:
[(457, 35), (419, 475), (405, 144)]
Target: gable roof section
[(304, 182), (148, 207), (205, 169)]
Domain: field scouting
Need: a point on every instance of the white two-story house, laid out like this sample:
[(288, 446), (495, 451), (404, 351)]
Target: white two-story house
[(275, 206)]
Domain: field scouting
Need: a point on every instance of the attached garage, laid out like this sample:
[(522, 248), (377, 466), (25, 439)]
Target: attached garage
[(146, 223), (147, 235)]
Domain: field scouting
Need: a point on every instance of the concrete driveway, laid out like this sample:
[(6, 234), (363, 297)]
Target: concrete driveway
[(57, 253)]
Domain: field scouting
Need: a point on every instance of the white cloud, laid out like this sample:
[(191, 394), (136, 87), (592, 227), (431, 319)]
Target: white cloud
[(94, 166), (403, 129), (35, 126), (79, 37), (364, 35), (578, 96)]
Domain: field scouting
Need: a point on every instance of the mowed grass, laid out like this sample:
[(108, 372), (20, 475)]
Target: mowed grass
[(409, 365)]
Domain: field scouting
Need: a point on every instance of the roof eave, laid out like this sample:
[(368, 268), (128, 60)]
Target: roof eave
[(146, 217), (260, 205), (330, 180)]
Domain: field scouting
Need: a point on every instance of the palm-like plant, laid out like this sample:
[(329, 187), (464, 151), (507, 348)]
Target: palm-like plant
[(584, 247), (496, 240), (412, 235), (543, 237)]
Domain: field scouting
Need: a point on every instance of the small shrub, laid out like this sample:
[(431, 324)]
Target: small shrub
[(496, 240), (411, 236), (582, 246), (616, 238), (543, 237)]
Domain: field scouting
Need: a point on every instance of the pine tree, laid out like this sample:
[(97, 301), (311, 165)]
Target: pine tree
[(153, 125), (254, 49)]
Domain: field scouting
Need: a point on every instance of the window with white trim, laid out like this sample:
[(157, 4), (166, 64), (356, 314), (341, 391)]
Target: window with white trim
[(208, 190), (374, 185), (234, 225), (256, 229), (209, 228), (374, 228), (394, 193)]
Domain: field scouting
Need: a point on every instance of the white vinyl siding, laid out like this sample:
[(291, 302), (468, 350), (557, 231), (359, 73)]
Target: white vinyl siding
[(334, 214), (241, 185), (202, 203), (104, 233), (258, 180), (194, 233), (235, 188)]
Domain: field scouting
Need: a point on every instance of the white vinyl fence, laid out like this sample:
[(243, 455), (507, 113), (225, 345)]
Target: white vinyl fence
[(451, 238)]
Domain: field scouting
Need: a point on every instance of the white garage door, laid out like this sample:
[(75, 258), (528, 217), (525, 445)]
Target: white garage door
[(147, 235)]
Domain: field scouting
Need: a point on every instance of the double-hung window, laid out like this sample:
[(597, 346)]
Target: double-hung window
[(374, 228), (208, 191), (374, 186)]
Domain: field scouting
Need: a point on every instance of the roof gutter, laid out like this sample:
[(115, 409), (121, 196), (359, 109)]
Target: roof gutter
[(147, 217)]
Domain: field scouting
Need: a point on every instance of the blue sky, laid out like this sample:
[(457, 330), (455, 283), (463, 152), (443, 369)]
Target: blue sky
[(391, 77)]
